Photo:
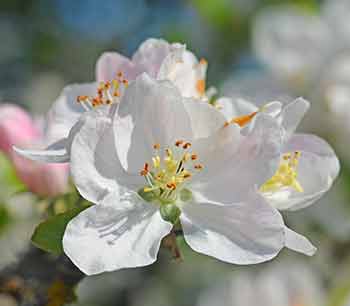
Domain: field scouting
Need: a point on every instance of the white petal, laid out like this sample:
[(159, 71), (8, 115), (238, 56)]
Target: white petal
[(170, 62), (318, 167), (150, 55), (299, 243), (95, 167), (123, 232), (181, 67), (226, 106), (110, 63), (255, 161), (205, 119), (292, 114), (287, 52), (151, 112), (55, 153), (65, 111), (241, 233)]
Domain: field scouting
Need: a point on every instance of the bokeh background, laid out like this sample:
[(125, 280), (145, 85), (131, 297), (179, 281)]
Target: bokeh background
[(255, 49)]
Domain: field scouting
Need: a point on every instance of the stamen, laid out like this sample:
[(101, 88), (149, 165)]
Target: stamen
[(198, 166), (145, 170), (107, 93), (156, 146), (286, 175), (186, 145), (179, 143), (169, 173)]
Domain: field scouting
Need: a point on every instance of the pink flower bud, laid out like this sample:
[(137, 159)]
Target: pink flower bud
[(18, 128)]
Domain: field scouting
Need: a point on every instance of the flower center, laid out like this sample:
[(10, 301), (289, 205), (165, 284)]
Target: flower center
[(108, 92), (285, 176), (169, 172)]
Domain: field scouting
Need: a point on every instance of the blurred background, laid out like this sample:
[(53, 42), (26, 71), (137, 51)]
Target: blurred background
[(261, 50)]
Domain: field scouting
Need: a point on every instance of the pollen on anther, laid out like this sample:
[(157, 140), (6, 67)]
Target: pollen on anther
[(198, 166), (194, 156), (81, 98), (156, 146), (171, 186), (145, 170), (186, 145), (179, 143)]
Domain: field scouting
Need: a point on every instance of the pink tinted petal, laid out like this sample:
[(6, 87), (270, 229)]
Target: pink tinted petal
[(16, 127), (42, 179), (110, 63)]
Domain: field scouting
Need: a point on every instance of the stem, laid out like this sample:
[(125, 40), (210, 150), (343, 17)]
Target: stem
[(170, 243)]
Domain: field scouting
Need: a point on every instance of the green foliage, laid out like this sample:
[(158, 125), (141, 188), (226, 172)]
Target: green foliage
[(5, 217), (218, 12), (48, 234), (9, 181), (339, 296)]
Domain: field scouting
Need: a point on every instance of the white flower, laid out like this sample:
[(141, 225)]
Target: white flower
[(307, 168), (287, 283), (156, 57), (292, 43), (164, 159), (161, 60), (337, 14)]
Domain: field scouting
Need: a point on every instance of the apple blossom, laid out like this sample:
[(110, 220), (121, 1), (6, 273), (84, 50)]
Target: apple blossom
[(159, 163), (292, 43), (156, 57), (287, 283), (307, 169), (17, 128)]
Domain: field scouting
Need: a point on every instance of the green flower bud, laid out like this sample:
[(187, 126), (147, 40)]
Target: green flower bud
[(170, 213)]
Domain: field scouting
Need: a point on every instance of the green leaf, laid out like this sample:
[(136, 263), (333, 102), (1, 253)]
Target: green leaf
[(9, 181), (5, 217), (48, 234)]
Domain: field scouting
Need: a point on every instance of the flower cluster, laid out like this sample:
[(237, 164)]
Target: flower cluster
[(149, 147), (309, 50)]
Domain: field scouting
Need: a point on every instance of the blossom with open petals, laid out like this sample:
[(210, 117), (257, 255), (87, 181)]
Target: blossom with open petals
[(286, 283), (292, 43), (156, 57), (308, 165), (162, 162)]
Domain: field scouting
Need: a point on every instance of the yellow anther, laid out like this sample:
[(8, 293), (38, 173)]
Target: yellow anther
[(115, 84), (186, 157), (168, 152), (285, 176), (169, 172), (156, 161)]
